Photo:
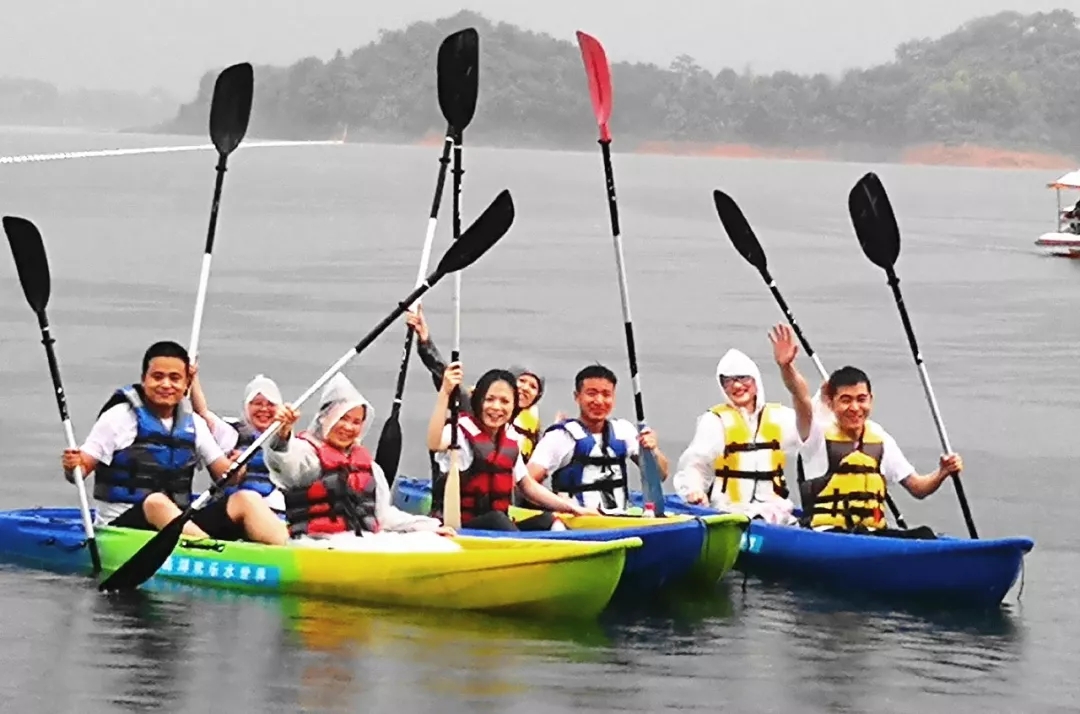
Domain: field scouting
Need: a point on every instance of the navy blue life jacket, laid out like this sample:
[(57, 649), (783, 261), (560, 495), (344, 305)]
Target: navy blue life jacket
[(593, 467), (159, 460)]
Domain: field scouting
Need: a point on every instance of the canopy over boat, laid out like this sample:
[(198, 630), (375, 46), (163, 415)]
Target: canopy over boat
[(1070, 180)]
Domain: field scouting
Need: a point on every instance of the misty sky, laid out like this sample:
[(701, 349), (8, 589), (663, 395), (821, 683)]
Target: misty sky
[(139, 44)]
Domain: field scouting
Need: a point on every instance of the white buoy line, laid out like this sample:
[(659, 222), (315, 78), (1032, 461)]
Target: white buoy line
[(28, 158)]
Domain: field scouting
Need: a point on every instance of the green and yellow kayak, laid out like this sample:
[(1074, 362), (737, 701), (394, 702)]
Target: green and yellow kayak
[(551, 578)]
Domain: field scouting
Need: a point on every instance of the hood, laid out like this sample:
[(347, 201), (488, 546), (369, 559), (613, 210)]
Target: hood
[(263, 385), (339, 396), (733, 363), (517, 370)]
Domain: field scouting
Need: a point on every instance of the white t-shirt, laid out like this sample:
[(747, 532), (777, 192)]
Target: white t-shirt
[(556, 448), (116, 430), (227, 436), (894, 466), (465, 454)]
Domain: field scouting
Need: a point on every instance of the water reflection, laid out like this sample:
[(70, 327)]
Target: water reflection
[(847, 655), (141, 642)]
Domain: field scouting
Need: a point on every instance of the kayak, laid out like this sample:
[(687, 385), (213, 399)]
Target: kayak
[(956, 572), (722, 534), (682, 550), (562, 579)]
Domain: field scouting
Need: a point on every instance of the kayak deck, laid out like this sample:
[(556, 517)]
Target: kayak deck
[(548, 578), (680, 550)]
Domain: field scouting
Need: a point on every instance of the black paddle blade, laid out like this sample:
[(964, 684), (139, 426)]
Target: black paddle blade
[(30, 261), (146, 561), (485, 232), (739, 230), (230, 108), (388, 451), (874, 221), (457, 77)]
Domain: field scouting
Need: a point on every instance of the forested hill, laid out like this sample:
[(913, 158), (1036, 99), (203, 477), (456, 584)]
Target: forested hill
[(1007, 80)]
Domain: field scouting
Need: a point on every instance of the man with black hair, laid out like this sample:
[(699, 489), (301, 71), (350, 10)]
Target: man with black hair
[(144, 449), (851, 459), (587, 456)]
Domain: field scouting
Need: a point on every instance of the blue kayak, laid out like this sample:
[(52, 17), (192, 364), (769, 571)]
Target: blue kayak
[(955, 572), (670, 552)]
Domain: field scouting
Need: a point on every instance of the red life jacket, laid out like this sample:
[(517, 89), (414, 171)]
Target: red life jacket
[(343, 499), (488, 484)]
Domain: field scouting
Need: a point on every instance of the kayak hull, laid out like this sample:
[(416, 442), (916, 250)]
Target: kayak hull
[(953, 572), (552, 579), (677, 551)]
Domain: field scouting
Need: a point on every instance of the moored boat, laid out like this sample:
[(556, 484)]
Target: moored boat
[(677, 550), (564, 579), (1065, 240)]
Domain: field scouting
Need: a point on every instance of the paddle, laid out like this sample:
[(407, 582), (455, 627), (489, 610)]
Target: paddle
[(32, 265), (457, 90), (452, 489), (749, 247), (492, 224), (599, 76), (879, 235), (230, 110)]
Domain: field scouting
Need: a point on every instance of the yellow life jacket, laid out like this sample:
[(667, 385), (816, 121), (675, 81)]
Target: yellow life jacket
[(852, 491), (528, 425), (740, 470)]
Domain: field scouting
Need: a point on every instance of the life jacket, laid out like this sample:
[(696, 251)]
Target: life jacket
[(341, 500), (593, 467), (749, 461), (258, 473), (158, 460), (528, 425), (851, 493), (488, 484)]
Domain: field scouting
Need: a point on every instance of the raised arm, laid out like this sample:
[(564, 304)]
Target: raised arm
[(785, 348)]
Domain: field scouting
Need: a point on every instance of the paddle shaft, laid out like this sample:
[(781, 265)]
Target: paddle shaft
[(894, 284), (204, 273), (455, 353), (655, 491), (425, 259), (821, 371), (388, 453), (69, 434)]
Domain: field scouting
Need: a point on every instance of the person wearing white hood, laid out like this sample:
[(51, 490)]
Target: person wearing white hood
[(735, 461), (261, 400), (336, 496)]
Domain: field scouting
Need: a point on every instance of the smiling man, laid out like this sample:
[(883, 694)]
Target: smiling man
[(586, 457), (144, 449), (850, 460)]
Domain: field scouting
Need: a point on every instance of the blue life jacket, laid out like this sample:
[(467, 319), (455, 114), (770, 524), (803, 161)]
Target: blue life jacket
[(592, 466), (157, 461), (258, 473)]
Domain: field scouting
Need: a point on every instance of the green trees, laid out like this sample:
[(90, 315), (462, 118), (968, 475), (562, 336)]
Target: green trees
[(1008, 80)]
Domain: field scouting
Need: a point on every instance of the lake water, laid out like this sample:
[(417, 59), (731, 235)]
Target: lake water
[(316, 244)]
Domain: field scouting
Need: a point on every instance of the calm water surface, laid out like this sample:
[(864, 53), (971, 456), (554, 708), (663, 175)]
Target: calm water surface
[(316, 244)]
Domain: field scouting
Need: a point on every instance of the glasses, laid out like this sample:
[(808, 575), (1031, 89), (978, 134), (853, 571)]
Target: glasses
[(732, 378)]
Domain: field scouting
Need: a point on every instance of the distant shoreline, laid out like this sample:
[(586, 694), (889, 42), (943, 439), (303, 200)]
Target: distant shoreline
[(935, 154)]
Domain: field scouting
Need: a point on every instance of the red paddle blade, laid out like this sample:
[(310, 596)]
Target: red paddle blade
[(599, 74)]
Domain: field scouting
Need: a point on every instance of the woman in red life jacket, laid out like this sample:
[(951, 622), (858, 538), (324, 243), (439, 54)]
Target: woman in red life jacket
[(335, 494), (489, 456)]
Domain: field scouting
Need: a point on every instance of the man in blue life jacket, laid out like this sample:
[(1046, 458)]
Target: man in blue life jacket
[(587, 456), (144, 449)]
